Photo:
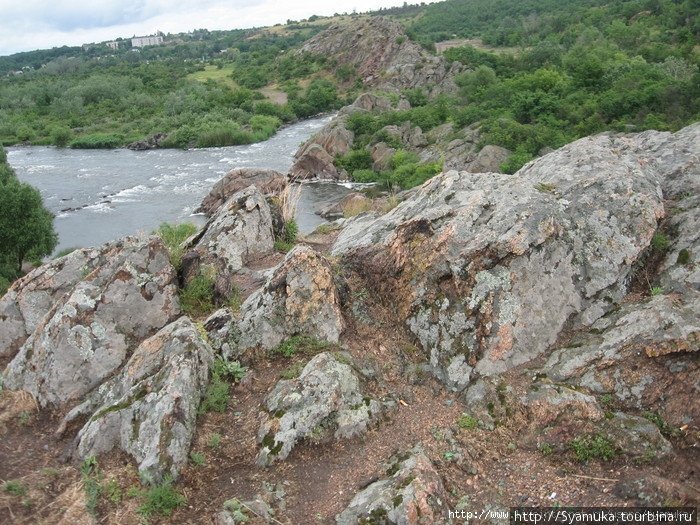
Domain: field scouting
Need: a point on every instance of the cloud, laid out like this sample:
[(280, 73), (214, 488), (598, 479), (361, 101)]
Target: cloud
[(38, 24)]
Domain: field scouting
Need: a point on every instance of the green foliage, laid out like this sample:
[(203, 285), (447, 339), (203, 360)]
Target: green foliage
[(467, 422), (91, 476), (197, 297), (659, 242), (546, 449), (161, 500), (355, 160), (173, 235), (598, 446), (26, 227), (666, 429), (516, 161), (365, 176), (231, 370), (216, 396), (15, 488), (656, 290), (236, 511), (286, 241), (300, 344), (197, 458), (683, 256), (214, 440), (97, 141)]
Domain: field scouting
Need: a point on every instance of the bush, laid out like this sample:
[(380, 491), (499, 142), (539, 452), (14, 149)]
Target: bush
[(98, 141), (161, 499), (300, 344), (365, 176), (173, 235), (354, 160), (197, 297), (216, 396), (593, 447)]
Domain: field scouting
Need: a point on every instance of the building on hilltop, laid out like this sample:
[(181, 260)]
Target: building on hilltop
[(113, 45), (150, 40)]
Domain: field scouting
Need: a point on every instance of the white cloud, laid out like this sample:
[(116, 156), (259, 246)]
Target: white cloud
[(38, 24)]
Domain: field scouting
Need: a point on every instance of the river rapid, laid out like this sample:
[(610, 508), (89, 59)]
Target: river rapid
[(100, 195)]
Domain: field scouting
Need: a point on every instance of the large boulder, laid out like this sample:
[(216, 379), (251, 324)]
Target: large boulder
[(488, 160), (324, 401), (411, 494), (300, 297), (267, 181), (149, 409), (92, 328), (486, 271), (240, 229), (314, 159), (30, 298)]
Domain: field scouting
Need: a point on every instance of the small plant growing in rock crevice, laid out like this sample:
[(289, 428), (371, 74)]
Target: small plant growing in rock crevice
[(288, 200), (161, 499), (659, 242), (598, 446), (173, 236), (300, 344), (90, 473), (197, 297), (466, 421)]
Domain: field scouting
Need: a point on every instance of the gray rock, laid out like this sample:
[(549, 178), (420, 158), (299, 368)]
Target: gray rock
[(636, 436), (267, 181), (90, 331), (298, 298), (325, 400), (240, 230), (149, 409), (314, 159), (30, 298), (488, 160), (411, 494), (469, 260)]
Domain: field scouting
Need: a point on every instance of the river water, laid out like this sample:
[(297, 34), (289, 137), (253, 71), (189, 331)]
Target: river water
[(101, 195)]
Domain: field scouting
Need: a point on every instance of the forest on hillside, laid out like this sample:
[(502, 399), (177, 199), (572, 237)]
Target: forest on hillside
[(538, 74)]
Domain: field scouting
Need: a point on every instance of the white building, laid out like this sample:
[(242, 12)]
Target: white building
[(150, 40), (113, 45)]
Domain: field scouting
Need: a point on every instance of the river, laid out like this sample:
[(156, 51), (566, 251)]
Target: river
[(101, 195)]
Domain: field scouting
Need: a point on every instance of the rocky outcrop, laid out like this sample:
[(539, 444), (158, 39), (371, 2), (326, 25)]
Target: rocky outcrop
[(241, 229), (350, 205), (92, 327), (152, 142), (30, 298), (149, 409), (487, 271), (268, 182), (412, 494), (314, 159), (383, 56), (300, 297), (324, 402), (488, 160)]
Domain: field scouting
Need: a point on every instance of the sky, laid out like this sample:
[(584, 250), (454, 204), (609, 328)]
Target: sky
[(26, 25)]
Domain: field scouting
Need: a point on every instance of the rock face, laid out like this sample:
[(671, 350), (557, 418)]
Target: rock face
[(487, 270), (151, 142), (352, 204), (314, 159), (267, 181), (92, 327), (488, 160), (325, 400), (240, 229), (149, 409), (30, 298), (383, 56), (300, 297), (413, 494)]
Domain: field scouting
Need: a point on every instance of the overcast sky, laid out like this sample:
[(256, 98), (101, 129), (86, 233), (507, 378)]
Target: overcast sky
[(37, 24)]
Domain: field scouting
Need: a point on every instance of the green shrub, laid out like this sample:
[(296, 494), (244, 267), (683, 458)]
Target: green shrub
[(365, 176), (161, 500), (197, 458), (683, 257), (15, 488), (300, 344), (354, 160), (467, 422), (659, 242), (231, 370), (286, 241), (173, 236), (586, 448), (98, 141), (516, 161), (197, 297), (214, 440), (91, 476), (216, 396)]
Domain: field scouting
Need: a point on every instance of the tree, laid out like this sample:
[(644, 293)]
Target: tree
[(26, 227)]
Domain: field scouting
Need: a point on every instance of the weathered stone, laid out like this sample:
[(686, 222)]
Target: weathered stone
[(149, 409), (30, 298), (488, 160), (152, 142), (267, 181), (469, 260), (550, 405), (298, 298), (240, 230), (350, 205), (90, 331), (412, 494), (325, 400), (635, 436), (381, 156)]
